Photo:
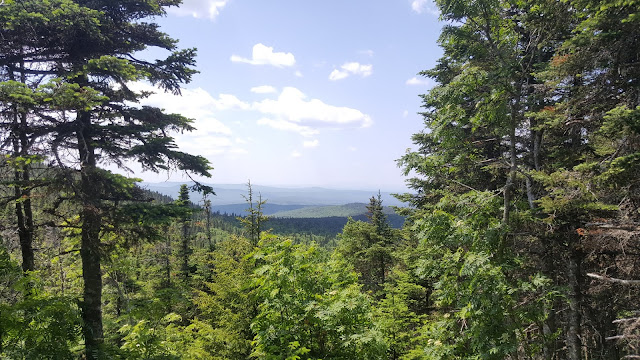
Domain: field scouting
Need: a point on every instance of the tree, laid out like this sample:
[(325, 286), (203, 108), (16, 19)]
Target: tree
[(185, 250), (206, 202), (228, 300), (377, 217), (92, 116), (481, 144), (255, 218), (369, 246), (536, 103), (592, 186)]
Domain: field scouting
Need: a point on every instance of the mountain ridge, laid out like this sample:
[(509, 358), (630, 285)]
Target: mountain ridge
[(232, 194)]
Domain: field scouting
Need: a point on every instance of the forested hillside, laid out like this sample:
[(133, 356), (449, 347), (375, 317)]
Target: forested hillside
[(522, 232)]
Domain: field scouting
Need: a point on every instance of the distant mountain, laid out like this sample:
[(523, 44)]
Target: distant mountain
[(267, 209), (232, 194), (353, 209)]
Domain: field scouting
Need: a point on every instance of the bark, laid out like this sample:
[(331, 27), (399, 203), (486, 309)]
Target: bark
[(573, 313), (513, 158), (25, 223), (92, 276), (26, 239), (90, 241), (531, 198), (537, 147), (22, 177), (549, 326)]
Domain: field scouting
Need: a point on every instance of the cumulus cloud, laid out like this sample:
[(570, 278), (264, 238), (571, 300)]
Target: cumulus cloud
[(264, 55), (420, 81), (264, 89), (421, 6), (288, 126), (351, 68), (211, 136), (199, 8), (228, 101), (197, 104), (338, 75), (311, 143), (293, 106)]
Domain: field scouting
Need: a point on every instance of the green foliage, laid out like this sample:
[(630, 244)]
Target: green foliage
[(309, 309), (38, 325), (254, 221), (226, 301), (464, 255), (396, 314), (369, 252)]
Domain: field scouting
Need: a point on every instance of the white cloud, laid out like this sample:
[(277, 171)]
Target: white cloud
[(228, 101), (405, 113), (351, 68), (338, 75), (195, 143), (264, 55), (292, 106), (420, 81), (288, 126), (298, 73), (211, 137), (311, 143), (421, 6), (264, 89), (199, 8), (296, 154), (196, 103)]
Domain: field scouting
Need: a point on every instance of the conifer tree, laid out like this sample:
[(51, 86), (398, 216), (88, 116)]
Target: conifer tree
[(254, 220), (90, 113)]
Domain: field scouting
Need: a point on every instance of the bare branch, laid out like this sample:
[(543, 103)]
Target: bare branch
[(613, 280)]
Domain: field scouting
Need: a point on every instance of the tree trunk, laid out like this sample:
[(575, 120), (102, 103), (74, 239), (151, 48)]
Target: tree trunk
[(24, 214), (573, 314), (92, 276), (91, 216), (513, 157), (549, 327), (25, 224)]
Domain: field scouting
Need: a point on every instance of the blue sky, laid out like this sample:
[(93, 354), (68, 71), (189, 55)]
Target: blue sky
[(320, 93)]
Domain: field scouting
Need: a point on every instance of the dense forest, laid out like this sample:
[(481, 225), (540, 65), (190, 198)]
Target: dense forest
[(522, 232)]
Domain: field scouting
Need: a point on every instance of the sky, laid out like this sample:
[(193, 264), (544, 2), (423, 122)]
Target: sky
[(301, 93)]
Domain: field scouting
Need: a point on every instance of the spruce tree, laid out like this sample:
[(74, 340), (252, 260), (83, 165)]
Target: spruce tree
[(91, 47)]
